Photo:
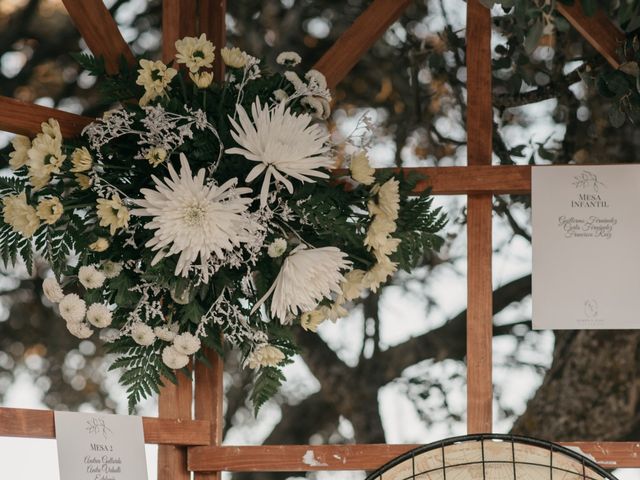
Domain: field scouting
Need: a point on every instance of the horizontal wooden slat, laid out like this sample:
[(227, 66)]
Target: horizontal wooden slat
[(338, 61), (100, 32), (597, 29), (512, 179), (25, 118), (17, 422), (306, 458)]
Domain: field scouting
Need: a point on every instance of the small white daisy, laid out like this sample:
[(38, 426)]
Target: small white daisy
[(142, 334), (186, 343), (174, 359), (99, 315), (90, 277)]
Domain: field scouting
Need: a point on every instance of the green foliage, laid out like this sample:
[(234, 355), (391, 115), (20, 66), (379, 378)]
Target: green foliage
[(266, 384)]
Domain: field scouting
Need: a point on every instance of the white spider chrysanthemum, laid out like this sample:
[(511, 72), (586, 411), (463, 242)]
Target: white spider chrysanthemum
[(193, 218), (307, 276), (283, 144)]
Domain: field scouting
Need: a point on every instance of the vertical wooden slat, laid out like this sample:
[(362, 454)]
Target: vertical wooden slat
[(178, 20), (175, 401), (212, 22), (479, 210)]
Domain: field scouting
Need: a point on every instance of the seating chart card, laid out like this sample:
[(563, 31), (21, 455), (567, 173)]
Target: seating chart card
[(586, 248), (100, 447)]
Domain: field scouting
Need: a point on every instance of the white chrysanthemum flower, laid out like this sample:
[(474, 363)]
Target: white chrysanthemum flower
[(52, 290), (195, 52), (194, 218), (234, 57), (352, 286), (111, 269), (320, 107), (186, 343), (264, 356), (155, 156), (110, 335), (174, 359), (112, 213), (277, 248), (166, 334), (90, 277), (388, 199), (311, 320), (317, 78), (335, 311), (283, 144), (100, 245), (361, 170), (142, 334), (50, 210), (288, 58), (280, 95), (20, 215), (99, 315), (379, 231), (72, 308), (81, 160), (202, 79), (19, 156), (379, 273), (295, 80), (79, 329), (155, 77), (306, 277)]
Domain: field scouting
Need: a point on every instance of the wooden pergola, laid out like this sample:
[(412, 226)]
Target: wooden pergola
[(189, 427)]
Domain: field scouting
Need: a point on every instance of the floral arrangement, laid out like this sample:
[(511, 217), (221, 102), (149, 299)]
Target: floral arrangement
[(206, 214)]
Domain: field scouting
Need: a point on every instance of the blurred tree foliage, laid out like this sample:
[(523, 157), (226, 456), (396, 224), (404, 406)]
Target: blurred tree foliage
[(413, 82)]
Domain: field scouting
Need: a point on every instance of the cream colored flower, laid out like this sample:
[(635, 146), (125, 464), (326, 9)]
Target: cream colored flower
[(100, 245), (334, 312), (45, 159), (311, 320), (195, 53), (111, 269), (280, 95), (51, 128), (72, 308), (186, 343), (142, 334), (277, 248), (320, 107), (50, 210), (81, 160), (233, 57), (79, 329), (352, 286), (99, 315), (295, 80), (201, 79), (379, 231), (288, 58), (52, 290), (155, 77), (84, 181), (156, 156), (174, 359), (20, 215), (167, 333), (379, 273), (388, 199), (19, 156), (112, 213), (264, 356), (361, 170), (90, 277), (387, 246)]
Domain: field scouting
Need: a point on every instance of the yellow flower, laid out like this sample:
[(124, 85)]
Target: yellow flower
[(379, 230), (264, 356), (156, 156), (352, 285), (388, 199), (100, 245), (195, 53), (361, 171), (51, 128), (233, 57), (20, 215), (311, 320), (84, 181), (379, 273), (202, 79), (21, 146), (112, 213), (50, 210), (45, 158), (155, 77), (81, 160)]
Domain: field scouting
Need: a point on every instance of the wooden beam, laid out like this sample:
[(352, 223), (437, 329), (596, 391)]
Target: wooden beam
[(175, 402), (212, 15), (598, 30), (479, 229), (338, 61), (100, 32), (25, 118), (307, 458), (178, 21), (27, 423)]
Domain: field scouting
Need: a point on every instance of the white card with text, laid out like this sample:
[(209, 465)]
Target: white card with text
[(586, 253), (95, 446)]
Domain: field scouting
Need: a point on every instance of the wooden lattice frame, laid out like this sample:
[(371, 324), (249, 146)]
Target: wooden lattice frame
[(193, 442)]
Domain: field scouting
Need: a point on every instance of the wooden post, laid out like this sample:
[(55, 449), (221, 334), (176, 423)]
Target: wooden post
[(479, 211), (178, 20), (212, 22)]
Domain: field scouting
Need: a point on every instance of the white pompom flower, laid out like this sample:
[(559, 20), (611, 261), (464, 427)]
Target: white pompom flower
[(79, 329), (307, 276), (52, 290), (99, 315), (90, 277), (166, 334), (111, 269), (277, 248), (174, 359), (142, 334), (72, 308), (288, 58), (264, 356), (186, 343)]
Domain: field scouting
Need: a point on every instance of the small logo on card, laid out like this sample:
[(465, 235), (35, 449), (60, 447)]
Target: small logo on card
[(591, 308), (97, 426)]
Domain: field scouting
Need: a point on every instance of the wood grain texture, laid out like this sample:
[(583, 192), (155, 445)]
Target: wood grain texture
[(100, 32), (598, 30), (338, 61), (479, 231), (212, 22), (174, 401), (209, 400), (27, 423), (25, 118), (179, 19)]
